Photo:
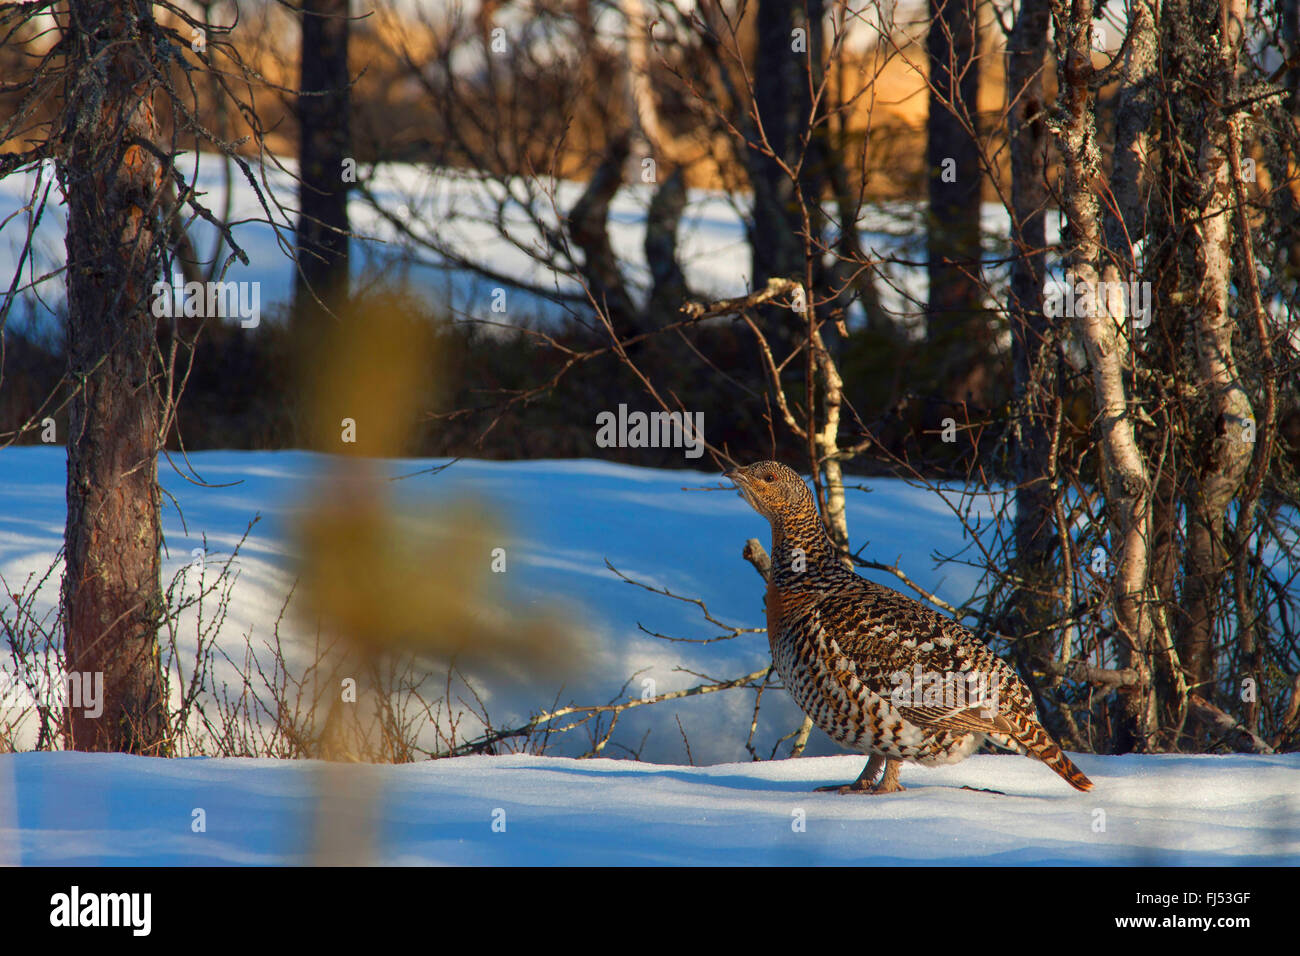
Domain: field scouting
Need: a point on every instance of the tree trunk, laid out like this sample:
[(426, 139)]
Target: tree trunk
[(1203, 194), (1125, 224), (1033, 337), (1128, 486), (783, 103), (956, 323), (780, 100), (1134, 106), (111, 591), (667, 282), (325, 144)]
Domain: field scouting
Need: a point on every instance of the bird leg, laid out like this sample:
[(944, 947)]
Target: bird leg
[(865, 783)]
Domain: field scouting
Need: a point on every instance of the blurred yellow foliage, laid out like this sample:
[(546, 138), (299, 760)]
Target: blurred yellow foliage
[(377, 578)]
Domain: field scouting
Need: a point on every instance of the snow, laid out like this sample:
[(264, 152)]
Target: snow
[(460, 209), (565, 518), (1146, 810), (676, 529)]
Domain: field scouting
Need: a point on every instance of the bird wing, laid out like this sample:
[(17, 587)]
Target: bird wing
[(931, 668)]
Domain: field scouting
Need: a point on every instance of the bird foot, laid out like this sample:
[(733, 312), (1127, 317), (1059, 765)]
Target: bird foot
[(867, 782), (855, 787)]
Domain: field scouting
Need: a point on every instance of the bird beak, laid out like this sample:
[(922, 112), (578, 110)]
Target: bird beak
[(735, 476)]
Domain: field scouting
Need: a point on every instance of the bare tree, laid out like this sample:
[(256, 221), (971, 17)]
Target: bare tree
[(111, 175), (108, 98)]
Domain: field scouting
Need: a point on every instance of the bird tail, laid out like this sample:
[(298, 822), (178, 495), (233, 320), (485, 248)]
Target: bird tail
[(1039, 743)]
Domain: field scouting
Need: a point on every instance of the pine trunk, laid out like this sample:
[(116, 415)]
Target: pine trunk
[(111, 591)]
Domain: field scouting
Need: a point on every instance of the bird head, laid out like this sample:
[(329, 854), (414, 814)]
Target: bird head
[(772, 489)]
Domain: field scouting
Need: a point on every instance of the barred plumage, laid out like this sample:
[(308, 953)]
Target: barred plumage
[(877, 671)]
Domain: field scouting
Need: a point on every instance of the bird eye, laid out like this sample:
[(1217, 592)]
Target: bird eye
[(769, 477)]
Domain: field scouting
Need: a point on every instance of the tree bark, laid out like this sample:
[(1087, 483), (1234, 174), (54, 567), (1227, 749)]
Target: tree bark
[(112, 599), (325, 142), (1125, 224), (1134, 107), (588, 225), (1227, 417), (1033, 337), (1128, 487), (667, 282), (784, 75), (782, 104), (956, 323)]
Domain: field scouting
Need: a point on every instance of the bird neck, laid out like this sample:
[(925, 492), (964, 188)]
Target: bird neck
[(800, 544)]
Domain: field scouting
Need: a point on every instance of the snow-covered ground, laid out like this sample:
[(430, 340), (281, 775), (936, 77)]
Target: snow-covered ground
[(669, 530), (564, 519), (524, 810)]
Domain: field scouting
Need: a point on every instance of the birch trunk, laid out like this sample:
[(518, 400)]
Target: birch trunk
[(1226, 443), (1106, 344)]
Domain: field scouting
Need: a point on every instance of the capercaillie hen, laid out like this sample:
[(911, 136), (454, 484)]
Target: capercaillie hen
[(877, 671)]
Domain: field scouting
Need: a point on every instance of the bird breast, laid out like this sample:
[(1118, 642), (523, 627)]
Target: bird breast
[(828, 687)]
